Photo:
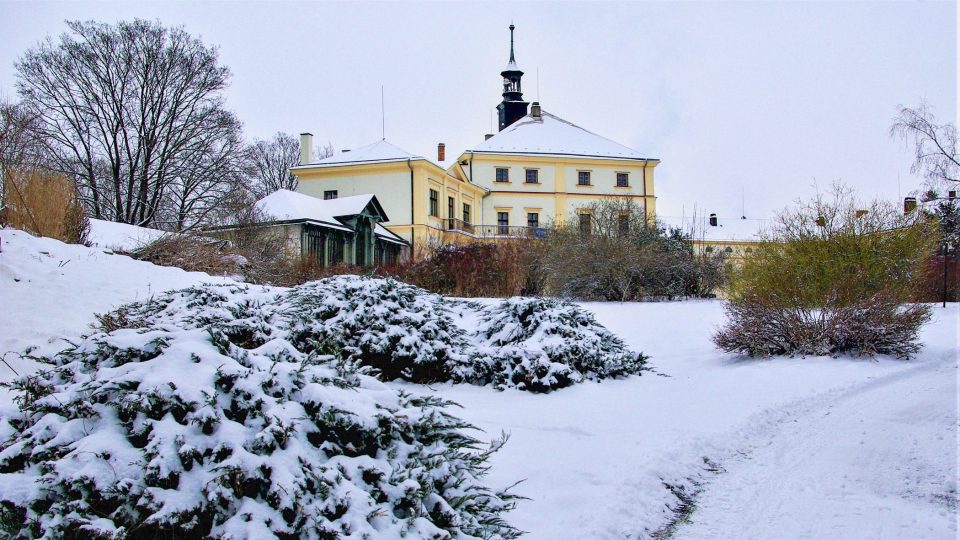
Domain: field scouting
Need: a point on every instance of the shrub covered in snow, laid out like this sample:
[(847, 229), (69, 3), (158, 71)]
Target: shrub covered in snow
[(404, 332), (542, 344), (196, 416), (400, 330)]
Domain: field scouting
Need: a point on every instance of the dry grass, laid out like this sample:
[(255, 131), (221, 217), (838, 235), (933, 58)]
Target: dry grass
[(45, 204)]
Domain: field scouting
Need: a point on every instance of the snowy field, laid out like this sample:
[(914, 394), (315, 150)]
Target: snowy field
[(781, 448)]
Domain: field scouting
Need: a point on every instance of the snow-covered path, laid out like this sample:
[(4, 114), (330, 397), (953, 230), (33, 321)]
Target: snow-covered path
[(875, 461)]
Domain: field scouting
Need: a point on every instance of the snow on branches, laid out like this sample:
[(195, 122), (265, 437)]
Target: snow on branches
[(200, 419), (235, 411)]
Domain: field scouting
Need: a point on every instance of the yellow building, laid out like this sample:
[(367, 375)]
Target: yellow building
[(734, 237), (537, 171), (542, 170), (419, 196)]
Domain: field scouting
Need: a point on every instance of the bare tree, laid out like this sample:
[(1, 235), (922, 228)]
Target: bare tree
[(618, 254), (129, 110), (268, 163), (935, 146)]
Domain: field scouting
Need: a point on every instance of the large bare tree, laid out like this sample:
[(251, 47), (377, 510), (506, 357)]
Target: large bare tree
[(935, 147), (135, 112)]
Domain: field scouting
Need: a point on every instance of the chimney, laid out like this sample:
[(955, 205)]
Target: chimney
[(487, 136), (713, 220), (535, 109), (909, 204), (952, 195), (306, 148), (860, 213), (441, 152)]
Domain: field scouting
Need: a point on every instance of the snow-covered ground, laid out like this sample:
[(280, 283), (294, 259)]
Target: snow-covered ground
[(51, 291), (120, 236), (780, 448)]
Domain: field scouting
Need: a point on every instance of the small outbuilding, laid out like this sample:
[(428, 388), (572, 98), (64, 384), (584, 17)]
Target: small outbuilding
[(347, 230)]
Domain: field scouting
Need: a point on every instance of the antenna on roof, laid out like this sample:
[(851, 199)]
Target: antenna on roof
[(538, 83), (383, 117)]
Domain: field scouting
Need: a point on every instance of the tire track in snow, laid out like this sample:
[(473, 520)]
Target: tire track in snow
[(877, 460)]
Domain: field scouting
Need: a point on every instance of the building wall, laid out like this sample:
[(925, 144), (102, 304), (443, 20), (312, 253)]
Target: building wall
[(391, 185), (390, 182), (558, 193)]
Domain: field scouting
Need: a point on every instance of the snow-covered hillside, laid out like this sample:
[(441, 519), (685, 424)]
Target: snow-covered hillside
[(51, 291), (779, 448)]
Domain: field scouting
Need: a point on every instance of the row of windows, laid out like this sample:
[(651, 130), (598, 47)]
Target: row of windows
[(532, 176), (585, 222), (728, 249), (451, 206)]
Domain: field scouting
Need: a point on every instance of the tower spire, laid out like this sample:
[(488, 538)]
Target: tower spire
[(513, 107)]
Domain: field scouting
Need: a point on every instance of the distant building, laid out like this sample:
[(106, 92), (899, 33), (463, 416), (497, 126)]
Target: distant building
[(538, 170), (735, 238)]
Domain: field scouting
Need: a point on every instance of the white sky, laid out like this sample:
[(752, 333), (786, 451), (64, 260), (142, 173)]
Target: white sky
[(755, 97)]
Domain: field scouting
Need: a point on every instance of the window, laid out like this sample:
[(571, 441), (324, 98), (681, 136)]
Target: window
[(503, 174), (451, 205), (583, 178), (623, 179), (585, 223), (533, 220), (533, 176), (434, 203), (466, 213), (503, 222), (331, 194), (623, 224)]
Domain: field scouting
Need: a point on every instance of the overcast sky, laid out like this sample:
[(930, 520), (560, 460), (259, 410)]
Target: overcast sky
[(759, 98)]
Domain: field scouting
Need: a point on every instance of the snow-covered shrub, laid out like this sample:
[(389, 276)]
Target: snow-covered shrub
[(540, 344), (197, 417), (398, 329), (402, 331)]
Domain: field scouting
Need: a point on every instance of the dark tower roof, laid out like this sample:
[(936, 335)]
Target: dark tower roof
[(512, 64), (513, 107)]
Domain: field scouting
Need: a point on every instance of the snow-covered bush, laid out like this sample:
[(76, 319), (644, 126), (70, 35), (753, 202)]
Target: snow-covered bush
[(540, 344), (403, 332), (400, 330), (196, 416)]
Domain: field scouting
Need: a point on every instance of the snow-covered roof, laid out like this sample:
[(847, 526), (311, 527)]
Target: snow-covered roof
[(388, 235), (378, 152), (552, 135), (289, 205), (512, 66), (726, 229)]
